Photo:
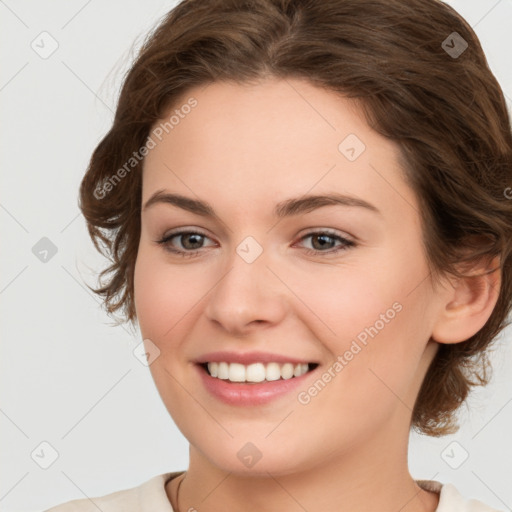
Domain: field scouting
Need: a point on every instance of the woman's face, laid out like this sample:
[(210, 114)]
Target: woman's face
[(277, 280)]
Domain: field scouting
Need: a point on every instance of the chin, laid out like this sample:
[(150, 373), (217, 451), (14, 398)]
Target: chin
[(255, 460)]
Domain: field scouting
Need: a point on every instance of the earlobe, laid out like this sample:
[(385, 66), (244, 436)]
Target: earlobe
[(469, 304)]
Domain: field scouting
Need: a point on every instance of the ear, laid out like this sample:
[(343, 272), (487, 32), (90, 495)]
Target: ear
[(468, 303)]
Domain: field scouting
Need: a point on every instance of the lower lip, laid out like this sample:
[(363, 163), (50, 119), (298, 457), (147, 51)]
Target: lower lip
[(234, 393)]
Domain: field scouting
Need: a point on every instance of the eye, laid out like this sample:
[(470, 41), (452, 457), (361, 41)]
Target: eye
[(191, 242), (322, 241)]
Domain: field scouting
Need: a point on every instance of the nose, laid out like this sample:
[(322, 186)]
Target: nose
[(248, 296)]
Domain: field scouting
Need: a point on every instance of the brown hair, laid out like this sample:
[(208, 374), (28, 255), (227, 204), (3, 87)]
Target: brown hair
[(417, 83)]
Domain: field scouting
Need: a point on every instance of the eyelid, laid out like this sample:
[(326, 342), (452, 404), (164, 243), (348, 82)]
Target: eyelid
[(184, 230), (165, 238), (330, 232), (346, 243)]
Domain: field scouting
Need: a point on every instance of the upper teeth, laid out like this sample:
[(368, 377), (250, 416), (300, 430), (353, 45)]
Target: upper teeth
[(256, 372)]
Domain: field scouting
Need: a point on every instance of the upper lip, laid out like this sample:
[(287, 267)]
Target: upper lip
[(248, 358)]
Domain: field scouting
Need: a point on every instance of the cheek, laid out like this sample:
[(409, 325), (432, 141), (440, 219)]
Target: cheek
[(346, 299), (164, 294), (375, 314)]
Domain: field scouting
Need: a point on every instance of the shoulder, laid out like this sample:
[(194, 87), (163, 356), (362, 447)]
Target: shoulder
[(150, 495), (450, 500)]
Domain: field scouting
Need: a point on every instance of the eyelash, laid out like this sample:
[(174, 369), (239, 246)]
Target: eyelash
[(165, 242)]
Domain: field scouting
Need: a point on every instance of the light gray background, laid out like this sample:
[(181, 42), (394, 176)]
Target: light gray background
[(68, 377)]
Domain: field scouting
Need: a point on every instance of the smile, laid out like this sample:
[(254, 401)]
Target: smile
[(254, 384), (257, 372)]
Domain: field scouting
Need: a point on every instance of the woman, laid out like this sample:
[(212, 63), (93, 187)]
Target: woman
[(306, 207)]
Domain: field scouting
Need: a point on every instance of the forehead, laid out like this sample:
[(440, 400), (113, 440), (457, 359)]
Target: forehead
[(271, 140)]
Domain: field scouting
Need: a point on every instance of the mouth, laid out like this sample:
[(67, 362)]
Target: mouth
[(256, 373), (253, 378)]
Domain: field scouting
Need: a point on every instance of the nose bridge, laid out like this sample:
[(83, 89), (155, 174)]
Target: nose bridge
[(248, 291)]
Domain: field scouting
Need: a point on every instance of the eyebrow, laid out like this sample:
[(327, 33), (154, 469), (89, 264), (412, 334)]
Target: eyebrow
[(289, 207)]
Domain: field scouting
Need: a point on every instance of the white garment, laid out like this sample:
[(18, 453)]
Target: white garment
[(151, 497)]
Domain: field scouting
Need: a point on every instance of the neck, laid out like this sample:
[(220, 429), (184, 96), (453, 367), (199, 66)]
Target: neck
[(365, 479)]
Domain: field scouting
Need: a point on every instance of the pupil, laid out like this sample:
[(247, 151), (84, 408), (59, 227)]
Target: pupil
[(323, 244), (191, 236)]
